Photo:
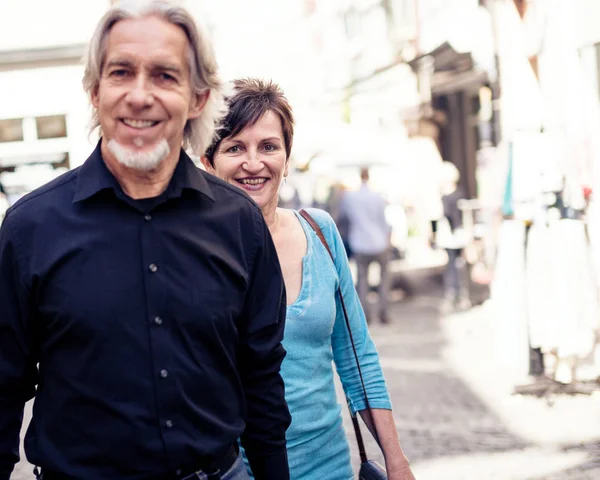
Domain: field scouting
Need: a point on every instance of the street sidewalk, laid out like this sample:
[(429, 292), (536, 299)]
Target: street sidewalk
[(456, 413)]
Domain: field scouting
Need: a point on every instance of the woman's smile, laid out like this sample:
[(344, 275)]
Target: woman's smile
[(253, 184)]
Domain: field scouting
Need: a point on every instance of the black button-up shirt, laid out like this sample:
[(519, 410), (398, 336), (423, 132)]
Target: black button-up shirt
[(157, 326)]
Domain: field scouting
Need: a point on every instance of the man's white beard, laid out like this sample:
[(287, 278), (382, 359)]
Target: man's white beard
[(142, 161)]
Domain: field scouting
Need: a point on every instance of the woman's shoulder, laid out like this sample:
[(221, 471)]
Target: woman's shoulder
[(327, 225), (286, 213), (323, 219)]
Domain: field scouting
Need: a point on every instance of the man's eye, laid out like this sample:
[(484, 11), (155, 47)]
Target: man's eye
[(165, 77), (120, 72)]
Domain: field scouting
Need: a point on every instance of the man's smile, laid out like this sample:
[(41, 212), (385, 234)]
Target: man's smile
[(133, 123)]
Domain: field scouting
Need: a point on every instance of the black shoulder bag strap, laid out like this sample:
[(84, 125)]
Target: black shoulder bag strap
[(359, 439)]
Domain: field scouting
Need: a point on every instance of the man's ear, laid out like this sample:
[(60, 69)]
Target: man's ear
[(198, 104), (94, 97), (209, 168)]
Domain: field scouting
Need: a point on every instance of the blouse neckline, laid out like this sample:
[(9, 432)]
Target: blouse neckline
[(300, 303)]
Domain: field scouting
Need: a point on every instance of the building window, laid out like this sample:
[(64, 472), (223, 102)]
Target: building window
[(53, 126), (11, 130)]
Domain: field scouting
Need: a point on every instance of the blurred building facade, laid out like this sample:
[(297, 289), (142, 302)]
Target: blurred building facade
[(477, 76), (43, 113), (458, 82), (361, 46), (43, 110), (472, 75), (416, 68)]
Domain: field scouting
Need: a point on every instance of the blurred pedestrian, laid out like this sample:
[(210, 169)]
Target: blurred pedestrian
[(252, 153), (334, 204), (149, 292), (370, 240), (452, 237)]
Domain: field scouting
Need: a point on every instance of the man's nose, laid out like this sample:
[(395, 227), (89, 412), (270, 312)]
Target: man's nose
[(140, 95)]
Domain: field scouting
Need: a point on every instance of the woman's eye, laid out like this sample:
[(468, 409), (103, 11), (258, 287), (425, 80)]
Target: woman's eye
[(233, 149), (269, 147)]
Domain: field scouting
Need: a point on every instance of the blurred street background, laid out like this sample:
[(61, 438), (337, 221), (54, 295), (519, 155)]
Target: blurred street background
[(503, 384)]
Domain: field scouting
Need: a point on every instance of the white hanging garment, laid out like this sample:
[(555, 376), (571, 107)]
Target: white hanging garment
[(508, 300), (574, 289), (542, 306), (593, 228)]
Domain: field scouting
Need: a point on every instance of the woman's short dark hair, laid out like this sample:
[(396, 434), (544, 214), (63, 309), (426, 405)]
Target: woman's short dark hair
[(250, 100)]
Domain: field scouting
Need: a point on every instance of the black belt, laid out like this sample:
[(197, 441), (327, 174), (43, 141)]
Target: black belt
[(213, 469), (216, 468)]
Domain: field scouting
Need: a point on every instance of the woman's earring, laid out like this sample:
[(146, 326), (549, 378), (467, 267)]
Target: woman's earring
[(284, 180)]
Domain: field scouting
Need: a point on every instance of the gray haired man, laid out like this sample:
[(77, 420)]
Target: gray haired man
[(142, 300)]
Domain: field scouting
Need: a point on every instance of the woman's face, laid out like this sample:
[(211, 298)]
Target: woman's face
[(254, 160)]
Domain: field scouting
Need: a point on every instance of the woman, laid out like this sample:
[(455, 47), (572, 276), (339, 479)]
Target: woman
[(252, 153)]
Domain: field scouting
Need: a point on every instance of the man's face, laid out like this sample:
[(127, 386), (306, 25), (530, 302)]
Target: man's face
[(144, 97)]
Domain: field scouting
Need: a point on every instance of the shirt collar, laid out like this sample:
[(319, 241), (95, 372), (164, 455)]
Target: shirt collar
[(94, 177)]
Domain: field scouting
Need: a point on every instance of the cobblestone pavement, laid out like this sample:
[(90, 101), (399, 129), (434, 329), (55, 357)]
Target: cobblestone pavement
[(456, 415)]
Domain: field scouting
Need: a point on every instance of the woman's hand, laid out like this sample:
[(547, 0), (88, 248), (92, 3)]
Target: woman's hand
[(401, 471), (396, 463)]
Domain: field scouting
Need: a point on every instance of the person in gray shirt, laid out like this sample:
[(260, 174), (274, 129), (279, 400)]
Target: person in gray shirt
[(370, 241)]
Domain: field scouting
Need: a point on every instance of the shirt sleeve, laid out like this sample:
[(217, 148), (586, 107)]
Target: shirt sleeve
[(386, 227), (260, 356), (18, 371), (343, 354)]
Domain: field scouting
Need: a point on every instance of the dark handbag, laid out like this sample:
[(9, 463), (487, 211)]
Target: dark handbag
[(369, 469)]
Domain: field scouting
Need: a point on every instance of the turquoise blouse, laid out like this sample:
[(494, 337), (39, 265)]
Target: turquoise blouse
[(315, 337)]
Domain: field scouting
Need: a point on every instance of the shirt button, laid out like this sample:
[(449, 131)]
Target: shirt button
[(169, 424), (164, 373), (153, 267), (147, 217), (158, 320)]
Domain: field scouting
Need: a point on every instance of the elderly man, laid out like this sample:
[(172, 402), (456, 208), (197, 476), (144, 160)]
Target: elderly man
[(152, 331)]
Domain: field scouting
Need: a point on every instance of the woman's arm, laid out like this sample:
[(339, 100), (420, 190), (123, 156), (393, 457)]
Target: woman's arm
[(396, 463), (343, 354)]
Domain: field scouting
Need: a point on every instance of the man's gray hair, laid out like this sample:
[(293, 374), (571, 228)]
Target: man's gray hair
[(199, 132)]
